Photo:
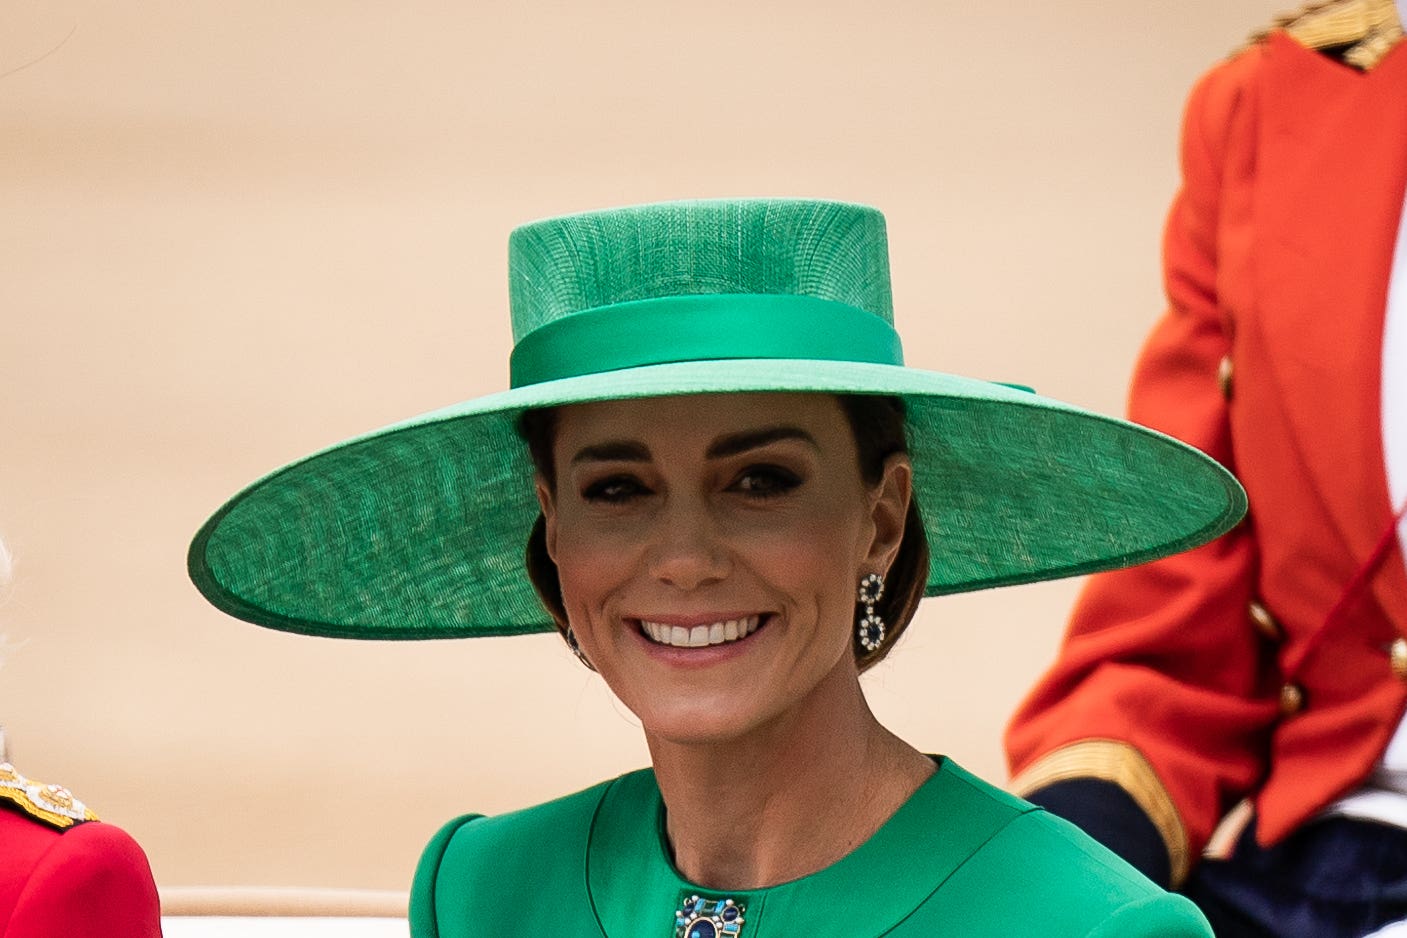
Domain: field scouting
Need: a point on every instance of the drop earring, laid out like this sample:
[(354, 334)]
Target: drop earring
[(870, 631), (570, 636)]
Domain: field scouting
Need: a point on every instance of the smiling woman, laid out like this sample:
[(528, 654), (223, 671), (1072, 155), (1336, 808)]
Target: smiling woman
[(716, 478), (676, 519), (876, 425)]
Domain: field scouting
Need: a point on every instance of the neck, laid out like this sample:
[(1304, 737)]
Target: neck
[(789, 798)]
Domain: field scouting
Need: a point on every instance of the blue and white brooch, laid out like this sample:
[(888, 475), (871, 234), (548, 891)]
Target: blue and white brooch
[(700, 917)]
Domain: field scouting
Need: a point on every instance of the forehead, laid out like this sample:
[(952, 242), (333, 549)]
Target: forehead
[(702, 417)]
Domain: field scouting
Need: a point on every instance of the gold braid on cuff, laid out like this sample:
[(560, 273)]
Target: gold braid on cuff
[(1113, 761)]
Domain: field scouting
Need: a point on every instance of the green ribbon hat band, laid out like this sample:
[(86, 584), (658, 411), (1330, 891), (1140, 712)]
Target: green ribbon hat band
[(418, 530), (702, 328)]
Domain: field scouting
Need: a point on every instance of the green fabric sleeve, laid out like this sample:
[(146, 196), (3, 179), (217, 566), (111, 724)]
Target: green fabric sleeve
[(1041, 870), (1110, 815), (1165, 916), (423, 920)]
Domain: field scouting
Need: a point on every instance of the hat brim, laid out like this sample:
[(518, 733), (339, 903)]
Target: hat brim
[(419, 530)]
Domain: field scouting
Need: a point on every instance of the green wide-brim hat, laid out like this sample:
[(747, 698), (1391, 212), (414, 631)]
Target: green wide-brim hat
[(419, 530)]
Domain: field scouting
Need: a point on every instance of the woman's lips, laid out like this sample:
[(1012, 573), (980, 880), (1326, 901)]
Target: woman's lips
[(720, 632)]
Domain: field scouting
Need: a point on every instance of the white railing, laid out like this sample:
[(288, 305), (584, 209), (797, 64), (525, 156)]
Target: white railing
[(281, 912)]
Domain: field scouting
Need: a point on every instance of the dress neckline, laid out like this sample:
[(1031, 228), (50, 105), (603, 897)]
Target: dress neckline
[(632, 881)]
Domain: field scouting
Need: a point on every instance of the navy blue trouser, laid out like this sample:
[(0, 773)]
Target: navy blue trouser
[(1333, 877)]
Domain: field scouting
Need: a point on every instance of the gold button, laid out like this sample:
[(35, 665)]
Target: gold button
[(1291, 699), (1397, 658), (1267, 625), (1224, 373)]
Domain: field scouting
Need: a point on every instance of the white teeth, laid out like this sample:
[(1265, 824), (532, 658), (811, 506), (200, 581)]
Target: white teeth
[(700, 636)]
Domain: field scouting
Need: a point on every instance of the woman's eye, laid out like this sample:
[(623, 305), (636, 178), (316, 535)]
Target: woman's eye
[(613, 489), (766, 481)]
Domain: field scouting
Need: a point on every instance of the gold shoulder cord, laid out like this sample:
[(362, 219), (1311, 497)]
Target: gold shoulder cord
[(1110, 760), (1358, 32)]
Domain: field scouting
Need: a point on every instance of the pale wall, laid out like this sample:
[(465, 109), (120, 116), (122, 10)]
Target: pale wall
[(233, 233)]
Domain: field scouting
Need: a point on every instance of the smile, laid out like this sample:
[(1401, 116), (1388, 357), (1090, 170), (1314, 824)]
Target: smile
[(700, 636)]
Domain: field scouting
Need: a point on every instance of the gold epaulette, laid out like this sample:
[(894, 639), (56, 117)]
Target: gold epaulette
[(1356, 32), (52, 804)]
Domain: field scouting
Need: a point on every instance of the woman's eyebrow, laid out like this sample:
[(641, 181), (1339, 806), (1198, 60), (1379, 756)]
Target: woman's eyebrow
[(734, 443), (613, 451)]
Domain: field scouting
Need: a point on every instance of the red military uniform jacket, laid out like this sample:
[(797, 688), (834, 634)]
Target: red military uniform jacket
[(62, 877), (1196, 681)]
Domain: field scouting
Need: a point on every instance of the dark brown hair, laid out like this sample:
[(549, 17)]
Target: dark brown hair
[(876, 422)]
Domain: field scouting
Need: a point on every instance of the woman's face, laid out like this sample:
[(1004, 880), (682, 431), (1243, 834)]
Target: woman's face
[(709, 548)]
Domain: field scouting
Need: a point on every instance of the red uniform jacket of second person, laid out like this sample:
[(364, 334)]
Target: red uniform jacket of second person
[(1196, 681), (65, 879)]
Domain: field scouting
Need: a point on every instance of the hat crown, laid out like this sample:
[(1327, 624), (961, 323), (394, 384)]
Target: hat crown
[(418, 530), (828, 250)]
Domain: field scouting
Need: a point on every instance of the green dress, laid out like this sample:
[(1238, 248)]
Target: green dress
[(959, 858)]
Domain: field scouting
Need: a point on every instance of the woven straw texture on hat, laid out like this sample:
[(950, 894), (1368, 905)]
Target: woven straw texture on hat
[(828, 250), (419, 530)]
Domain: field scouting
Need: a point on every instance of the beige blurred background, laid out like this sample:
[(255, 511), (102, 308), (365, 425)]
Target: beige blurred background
[(233, 233)]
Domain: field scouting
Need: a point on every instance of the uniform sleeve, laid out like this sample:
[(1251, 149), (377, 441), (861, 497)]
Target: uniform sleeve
[(424, 918), (94, 882), (1162, 686)]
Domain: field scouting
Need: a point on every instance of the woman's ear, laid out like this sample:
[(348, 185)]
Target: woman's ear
[(548, 504), (889, 508)]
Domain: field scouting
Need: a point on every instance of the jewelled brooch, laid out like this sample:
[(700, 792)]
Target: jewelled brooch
[(700, 917)]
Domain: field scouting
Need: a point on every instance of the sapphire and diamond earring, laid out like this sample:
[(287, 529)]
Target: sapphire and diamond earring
[(870, 631)]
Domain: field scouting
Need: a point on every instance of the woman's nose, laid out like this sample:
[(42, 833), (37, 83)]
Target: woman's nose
[(687, 552)]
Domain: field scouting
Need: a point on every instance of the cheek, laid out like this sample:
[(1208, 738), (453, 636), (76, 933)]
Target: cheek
[(591, 559), (816, 557)]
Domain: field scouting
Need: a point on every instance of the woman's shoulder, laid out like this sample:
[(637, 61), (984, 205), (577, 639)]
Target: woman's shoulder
[(1038, 868), (1018, 835), (477, 861), (1082, 878), (474, 833), (1072, 884)]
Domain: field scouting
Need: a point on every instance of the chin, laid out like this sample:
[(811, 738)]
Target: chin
[(697, 725)]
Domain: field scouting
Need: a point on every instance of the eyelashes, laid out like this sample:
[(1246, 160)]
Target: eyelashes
[(766, 481), (757, 482), (614, 490)]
